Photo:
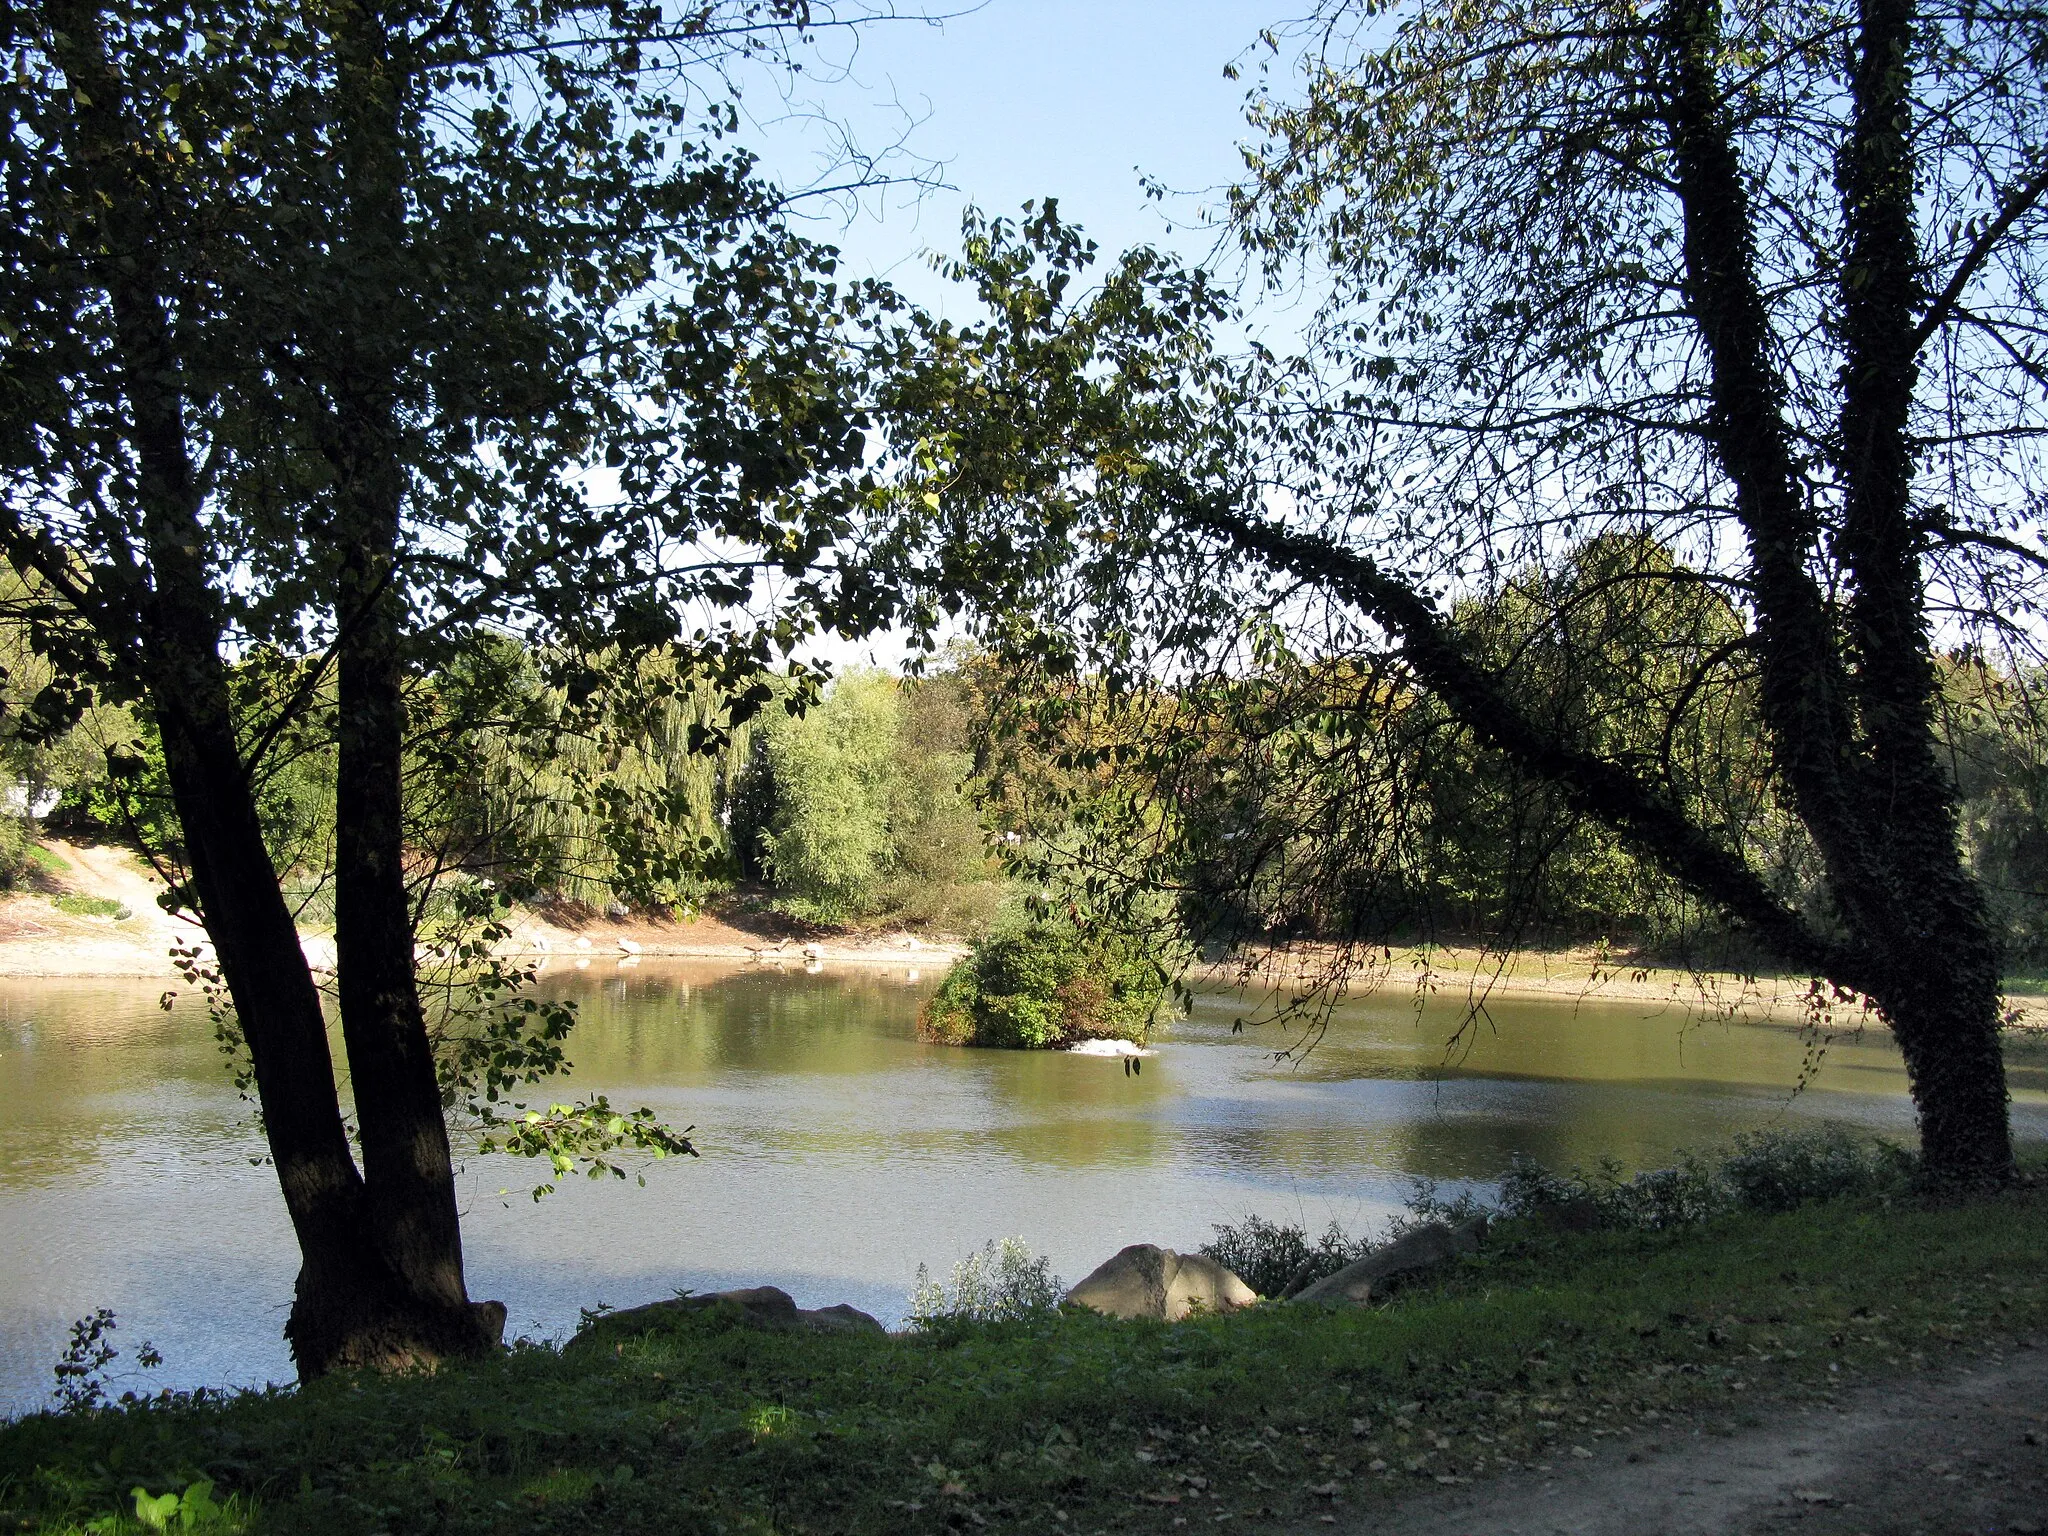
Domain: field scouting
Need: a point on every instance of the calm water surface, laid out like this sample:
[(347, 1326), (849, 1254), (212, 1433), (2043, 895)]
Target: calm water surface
[(839, 1153)]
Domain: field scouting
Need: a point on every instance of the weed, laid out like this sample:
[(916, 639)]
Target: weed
[(81, 1371), (1002, 1283), (1768, 1171)]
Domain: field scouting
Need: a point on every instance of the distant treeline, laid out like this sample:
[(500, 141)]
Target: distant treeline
[(1285, 794), (580, 781), (1233, 805)]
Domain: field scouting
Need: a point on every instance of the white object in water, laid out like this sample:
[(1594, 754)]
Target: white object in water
[(814, 951), (1108, 1048), (629, 947), (582, 943)]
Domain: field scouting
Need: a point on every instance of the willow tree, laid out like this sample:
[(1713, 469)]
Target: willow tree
[(344, 333), (1755, 287)]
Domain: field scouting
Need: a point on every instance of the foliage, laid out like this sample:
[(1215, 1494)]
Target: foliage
[(1757, 364), (1995, 740), (703, 1428), (1764, 1172), (81, 1371), (1045, 985), (325, 325), (1768, 1172), (1003, 1283), (51, 749), (592, 777), (17, 849), (1267, 1255), (189, 1508), (828, 848), (492, 1038), (861, 804)]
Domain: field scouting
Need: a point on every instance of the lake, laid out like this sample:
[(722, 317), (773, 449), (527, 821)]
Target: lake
[(839, 1153)]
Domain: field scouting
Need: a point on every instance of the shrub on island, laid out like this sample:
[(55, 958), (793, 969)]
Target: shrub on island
[(1044, 986)]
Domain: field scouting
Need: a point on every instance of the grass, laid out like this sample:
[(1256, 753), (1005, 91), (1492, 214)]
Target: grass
[(1076, 1423), (92, 906)]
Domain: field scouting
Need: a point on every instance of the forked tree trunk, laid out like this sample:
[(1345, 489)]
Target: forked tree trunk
[(1852, 728)]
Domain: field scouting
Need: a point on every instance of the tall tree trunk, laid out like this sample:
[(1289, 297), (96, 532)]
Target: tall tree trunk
[(178, 627), (407, 1166), (1931, 921), (352, 1305), (1855, 742)]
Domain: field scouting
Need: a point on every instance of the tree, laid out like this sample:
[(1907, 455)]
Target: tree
[(828, 844), (343, 333), (1756, 287)]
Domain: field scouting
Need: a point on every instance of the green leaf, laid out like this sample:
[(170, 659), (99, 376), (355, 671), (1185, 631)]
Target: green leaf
[(155, 1510)]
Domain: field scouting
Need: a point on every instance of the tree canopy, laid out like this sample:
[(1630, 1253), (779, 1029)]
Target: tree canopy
[(1745, 297), (346, 335)]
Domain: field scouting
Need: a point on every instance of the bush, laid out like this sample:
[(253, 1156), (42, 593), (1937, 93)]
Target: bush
[(17, 852), (1003, 1283), (1768, 1172), (1778, 1170), (1043, 986), (1266, 1255)]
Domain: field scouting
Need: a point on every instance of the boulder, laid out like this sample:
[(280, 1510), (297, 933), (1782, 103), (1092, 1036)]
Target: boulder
[(1421, 1249), (1144, 1281), (765, 1307), (842, 1318)]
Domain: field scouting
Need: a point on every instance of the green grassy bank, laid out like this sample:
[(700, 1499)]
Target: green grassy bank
[(1545, 1346)]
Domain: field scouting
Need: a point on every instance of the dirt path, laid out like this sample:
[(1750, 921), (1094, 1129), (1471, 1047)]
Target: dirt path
[(37, 938), (1935, 1455)]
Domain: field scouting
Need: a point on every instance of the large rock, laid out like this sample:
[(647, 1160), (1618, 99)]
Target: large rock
[(765, 1307), (1144, 1281), (1424, 1248)]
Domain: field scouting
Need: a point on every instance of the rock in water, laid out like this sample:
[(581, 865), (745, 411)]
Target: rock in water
[(1145, 1281), (1424, 1248)]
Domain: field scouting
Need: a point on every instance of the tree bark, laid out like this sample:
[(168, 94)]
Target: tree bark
[(1855, 742), (407, 1165), (352, 1304)]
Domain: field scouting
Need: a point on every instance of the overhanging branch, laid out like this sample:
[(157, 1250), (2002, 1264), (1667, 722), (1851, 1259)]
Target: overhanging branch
[(1595, 786)]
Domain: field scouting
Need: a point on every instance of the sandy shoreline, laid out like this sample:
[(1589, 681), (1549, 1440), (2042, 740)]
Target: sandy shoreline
[(40, 940)]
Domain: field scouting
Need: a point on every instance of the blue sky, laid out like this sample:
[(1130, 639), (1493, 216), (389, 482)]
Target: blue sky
[(1029, 98), (1020, 99)]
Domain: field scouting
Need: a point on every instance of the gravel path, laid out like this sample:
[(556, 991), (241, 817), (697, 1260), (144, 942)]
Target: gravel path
[(1933, 1455)]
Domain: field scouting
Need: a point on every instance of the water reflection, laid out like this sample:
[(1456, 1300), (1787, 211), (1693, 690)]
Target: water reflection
[(839, 1152)]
